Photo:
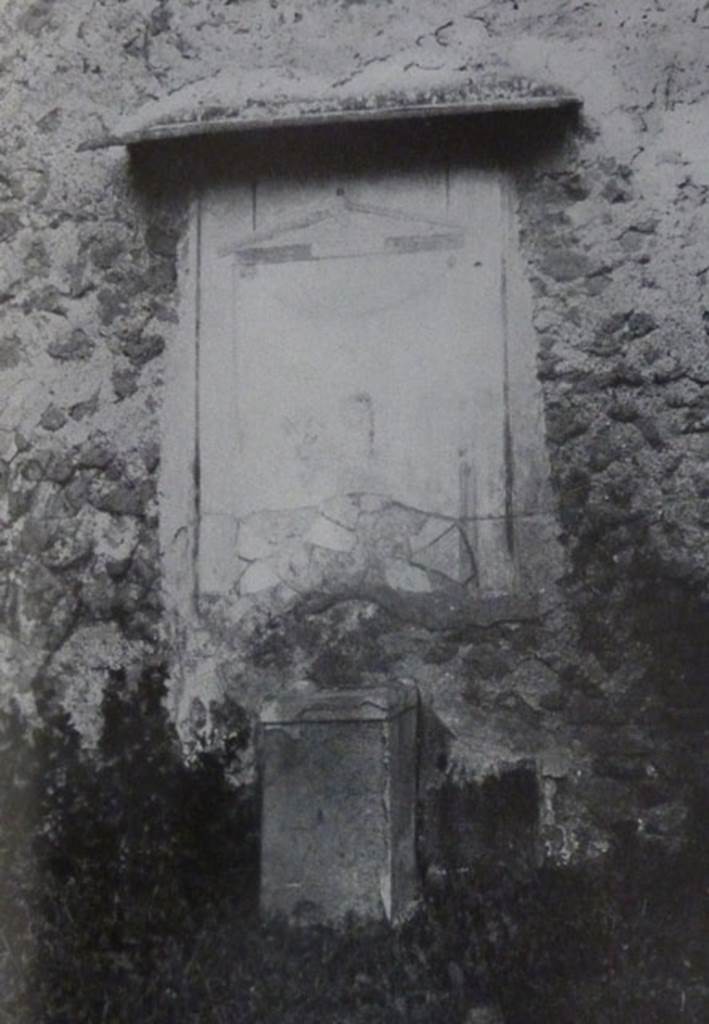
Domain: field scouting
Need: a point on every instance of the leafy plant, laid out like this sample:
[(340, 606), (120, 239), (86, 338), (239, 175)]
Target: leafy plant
[(127, 894)]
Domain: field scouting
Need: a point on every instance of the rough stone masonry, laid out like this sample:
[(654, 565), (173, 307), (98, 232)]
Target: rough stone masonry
[(593, 695)]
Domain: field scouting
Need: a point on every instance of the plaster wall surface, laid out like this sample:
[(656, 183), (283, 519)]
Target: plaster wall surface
[(597, 692), (361, 383)]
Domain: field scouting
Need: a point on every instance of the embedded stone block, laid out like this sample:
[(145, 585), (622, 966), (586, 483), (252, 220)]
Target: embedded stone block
[(338, 801)]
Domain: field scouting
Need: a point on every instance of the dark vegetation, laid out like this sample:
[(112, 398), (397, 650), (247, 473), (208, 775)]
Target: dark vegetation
[(128, 891)]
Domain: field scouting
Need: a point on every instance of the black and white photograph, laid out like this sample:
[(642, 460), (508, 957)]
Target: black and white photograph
[(354, 511)]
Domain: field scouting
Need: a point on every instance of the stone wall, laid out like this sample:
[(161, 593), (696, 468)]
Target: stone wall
[(592, 700)]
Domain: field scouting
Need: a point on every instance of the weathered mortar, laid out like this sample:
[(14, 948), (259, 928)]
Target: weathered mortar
[(599, 691)]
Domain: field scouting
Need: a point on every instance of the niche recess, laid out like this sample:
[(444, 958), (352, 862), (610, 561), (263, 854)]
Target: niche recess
[(352, 405)]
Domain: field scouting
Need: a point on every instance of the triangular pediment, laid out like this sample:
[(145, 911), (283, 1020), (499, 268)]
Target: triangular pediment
[(344, 228)]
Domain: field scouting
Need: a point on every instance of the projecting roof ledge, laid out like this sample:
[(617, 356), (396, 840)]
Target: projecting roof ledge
[(234, 104)]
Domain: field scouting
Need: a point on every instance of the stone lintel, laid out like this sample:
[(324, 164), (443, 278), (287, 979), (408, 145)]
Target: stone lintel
[(230, 104)]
